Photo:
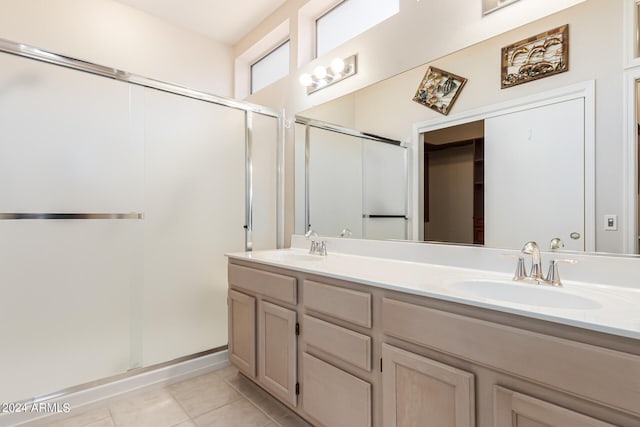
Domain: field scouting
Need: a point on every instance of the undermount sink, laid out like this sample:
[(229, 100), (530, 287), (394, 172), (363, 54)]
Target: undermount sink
[(525, 293)]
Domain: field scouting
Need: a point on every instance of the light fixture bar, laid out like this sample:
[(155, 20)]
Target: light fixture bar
[(322, 77)]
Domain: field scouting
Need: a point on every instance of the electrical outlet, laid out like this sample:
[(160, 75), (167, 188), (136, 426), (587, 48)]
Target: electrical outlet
[(611, 222)]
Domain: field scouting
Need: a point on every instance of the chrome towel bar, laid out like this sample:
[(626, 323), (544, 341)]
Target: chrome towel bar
[(14, 216)]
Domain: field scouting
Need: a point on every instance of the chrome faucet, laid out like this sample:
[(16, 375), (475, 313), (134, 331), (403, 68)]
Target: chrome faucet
[(553, 276), (317, 247), (531, 248)]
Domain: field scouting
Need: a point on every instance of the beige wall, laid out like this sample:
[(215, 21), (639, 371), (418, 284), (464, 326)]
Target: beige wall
[(118, 36)]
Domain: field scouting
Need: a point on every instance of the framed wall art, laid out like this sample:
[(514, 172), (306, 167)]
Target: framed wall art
[(539, 56), (439, 90)]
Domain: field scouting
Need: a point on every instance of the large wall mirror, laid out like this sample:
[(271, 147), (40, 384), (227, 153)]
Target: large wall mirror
[(506, 166)]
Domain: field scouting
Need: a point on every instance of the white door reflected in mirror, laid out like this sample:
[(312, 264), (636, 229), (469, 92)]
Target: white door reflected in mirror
[(533, 189)]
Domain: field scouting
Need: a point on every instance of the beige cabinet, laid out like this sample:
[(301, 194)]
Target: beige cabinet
[(277, 351), (334, 398), (345, 344), (339, 303), (417, 391), (262, 334), (349, 328), (242, 332), (512, 409)]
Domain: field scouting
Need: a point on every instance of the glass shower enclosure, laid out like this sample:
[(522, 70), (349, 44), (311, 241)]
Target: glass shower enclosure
[(119, 197)]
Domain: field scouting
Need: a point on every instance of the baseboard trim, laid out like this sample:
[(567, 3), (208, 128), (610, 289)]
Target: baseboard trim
[(164, 375)]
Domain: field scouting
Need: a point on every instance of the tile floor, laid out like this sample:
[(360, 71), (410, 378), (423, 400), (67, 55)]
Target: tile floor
[(218, 399)]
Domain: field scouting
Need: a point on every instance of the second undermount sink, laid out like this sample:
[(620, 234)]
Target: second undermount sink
[(526, 293)]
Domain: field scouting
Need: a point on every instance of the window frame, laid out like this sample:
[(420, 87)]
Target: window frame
[(331, 9), (315, 25), (265, 55)]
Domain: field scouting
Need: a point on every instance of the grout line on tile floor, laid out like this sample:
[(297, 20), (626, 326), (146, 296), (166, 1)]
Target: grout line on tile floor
[(248, 399), (181, 407)]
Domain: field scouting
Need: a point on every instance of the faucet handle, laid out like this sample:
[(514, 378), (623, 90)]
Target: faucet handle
[(346, 233), (556, 243), (553, 276), (521, 271)]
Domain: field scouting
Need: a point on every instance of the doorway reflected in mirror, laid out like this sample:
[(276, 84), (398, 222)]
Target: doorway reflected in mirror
[(454, 184)]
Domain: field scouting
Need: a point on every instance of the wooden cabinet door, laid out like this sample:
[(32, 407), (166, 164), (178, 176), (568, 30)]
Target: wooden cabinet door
[(242, 332), (417, 391), (277, 351), (512, 409), (333, 397)]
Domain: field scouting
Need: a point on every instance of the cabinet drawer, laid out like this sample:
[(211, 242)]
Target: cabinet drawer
[(345, 304), (272, 285), (597, 373), (340, 342), (333, 397), (512, 409)]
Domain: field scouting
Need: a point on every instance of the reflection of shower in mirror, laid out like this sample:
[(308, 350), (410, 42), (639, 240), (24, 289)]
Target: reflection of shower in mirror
[(355, 183)]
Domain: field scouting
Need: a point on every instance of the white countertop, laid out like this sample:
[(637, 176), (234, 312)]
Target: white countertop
[(604, 308)]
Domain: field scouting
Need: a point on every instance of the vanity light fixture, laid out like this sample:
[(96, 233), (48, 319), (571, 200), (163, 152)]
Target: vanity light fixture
[(323, 76)]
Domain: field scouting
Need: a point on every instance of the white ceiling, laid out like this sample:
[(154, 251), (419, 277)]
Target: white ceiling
[(226, 21)]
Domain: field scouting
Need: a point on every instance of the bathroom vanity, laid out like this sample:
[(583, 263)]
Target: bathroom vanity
[(348, 340)]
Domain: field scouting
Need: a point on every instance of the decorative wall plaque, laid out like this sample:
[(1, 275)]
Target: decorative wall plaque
[(536, 57), (439, 90)]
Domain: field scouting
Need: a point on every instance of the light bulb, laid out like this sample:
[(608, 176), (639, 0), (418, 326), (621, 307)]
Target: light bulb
[(320, 72), (306, 80), (337, 65)]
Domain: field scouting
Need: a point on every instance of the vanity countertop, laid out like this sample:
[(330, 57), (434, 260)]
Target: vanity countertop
[(599, 307)]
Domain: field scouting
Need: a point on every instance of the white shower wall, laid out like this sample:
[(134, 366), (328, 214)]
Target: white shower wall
[(82, 300)]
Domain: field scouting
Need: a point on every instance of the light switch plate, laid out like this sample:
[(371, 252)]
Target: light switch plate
[(611, 222)]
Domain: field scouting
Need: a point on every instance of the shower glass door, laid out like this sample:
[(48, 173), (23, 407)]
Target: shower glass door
[(118, 203), (65, 284)]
